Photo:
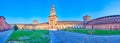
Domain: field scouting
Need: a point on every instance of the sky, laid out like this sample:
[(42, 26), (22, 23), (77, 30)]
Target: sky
[(25, 11)]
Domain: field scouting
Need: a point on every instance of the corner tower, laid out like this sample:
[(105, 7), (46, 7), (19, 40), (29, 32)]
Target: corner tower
[(52, 18), (35, 22), (86, 18)]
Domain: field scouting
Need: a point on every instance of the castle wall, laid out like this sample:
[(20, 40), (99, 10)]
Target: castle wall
[(3, 24), (105, 26)]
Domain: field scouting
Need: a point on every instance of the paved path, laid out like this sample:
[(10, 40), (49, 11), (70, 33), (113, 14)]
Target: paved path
[(53, 38), (68, 37), (4, 35)]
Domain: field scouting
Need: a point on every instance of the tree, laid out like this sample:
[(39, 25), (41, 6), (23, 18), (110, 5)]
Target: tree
[(15, 27)]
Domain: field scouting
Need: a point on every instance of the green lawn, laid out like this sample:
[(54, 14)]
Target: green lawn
[(30, 36), (95, 32)]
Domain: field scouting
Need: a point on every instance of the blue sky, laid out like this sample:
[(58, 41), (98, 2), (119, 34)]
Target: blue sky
[(25, 11)]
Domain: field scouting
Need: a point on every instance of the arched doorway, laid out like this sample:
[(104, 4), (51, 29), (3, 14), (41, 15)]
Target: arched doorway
[(52, 27)]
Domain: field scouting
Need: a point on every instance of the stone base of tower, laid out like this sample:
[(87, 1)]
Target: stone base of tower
[(53, 29)]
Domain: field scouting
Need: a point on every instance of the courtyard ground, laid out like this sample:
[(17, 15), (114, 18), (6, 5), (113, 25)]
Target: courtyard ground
[(4, 35), (29, 36), (70, 37), (94, 32), (66, 36)]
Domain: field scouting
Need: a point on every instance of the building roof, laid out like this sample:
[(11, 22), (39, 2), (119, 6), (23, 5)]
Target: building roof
[(59, 22), (69, 22), (105, 20), (35, 20), (2, 17)]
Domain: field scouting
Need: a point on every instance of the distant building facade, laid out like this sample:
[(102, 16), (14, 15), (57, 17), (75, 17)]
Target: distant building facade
[(52, 23), (108, 22)]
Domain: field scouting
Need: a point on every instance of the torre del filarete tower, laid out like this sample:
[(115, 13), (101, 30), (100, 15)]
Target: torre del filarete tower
[(52, 18)]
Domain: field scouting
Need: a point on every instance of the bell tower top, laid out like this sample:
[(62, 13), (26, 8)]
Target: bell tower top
[(86, 18), (52, 6), (52, 18), (52, 11)]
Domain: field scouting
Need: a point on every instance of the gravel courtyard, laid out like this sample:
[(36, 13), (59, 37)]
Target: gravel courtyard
[(69, 37)]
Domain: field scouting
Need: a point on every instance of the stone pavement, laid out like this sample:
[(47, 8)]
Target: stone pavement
[(69, 37), (4, 35), (53, 38)]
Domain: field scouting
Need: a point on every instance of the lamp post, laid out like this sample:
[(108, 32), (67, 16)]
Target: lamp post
[(91, 30)]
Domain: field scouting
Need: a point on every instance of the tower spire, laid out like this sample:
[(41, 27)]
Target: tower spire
[(52, 18), (52, 10), (52, 6)]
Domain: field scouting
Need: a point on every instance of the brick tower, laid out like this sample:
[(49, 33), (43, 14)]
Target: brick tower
[(52, 18)]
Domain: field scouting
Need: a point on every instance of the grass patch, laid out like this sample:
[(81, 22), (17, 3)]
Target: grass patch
[(106, 32), (29, 36), (95, 32)]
